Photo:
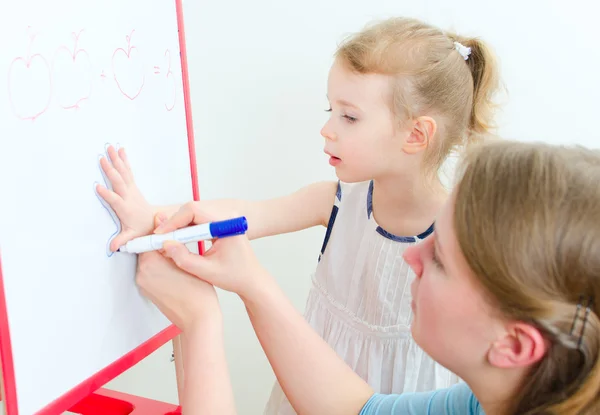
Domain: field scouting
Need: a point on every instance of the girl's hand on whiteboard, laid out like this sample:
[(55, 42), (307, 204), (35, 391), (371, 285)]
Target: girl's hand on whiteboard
[(134, 212)]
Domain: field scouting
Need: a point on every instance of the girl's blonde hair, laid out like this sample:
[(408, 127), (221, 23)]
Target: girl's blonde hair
[(527, 219), (430, 78)]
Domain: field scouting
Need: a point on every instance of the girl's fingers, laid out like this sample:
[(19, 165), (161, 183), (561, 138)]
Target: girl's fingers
[(110, 197), (121, 239), (118, 164), (123, 156), (115, 178)]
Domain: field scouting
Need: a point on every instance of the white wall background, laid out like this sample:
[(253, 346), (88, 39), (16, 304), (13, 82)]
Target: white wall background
[(258, 78)]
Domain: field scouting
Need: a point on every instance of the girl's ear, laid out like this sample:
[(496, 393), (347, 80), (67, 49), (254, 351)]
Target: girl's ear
[(424, 128)]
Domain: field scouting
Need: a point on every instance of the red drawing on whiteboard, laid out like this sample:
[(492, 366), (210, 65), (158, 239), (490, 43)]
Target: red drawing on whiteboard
[(29, 84), (128, 70), (171, 86), (72, 72)]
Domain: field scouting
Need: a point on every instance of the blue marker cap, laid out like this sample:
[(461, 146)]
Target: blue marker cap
[(229, 227)]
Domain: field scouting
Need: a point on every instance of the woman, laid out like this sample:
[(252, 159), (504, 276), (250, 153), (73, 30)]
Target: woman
[(504, 297)]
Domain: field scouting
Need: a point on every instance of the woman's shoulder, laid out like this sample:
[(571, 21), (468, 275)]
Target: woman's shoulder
[(456, 400)]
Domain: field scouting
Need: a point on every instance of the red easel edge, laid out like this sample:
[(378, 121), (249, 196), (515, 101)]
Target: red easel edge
[(188, 106), (95, 382), (9, 395), (133, 357), (187, 99)]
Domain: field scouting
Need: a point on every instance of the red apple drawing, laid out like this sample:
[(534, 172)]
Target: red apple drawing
[(171, 85), (72, 74), (128, 70), (29, 84)]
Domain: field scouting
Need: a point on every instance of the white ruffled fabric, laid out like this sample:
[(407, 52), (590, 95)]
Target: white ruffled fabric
[(360, 302)]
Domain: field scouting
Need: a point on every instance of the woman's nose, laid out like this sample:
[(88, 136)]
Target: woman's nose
[(412, 256)]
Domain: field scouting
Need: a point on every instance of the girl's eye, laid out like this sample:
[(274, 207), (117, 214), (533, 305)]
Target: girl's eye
[(348, 118)]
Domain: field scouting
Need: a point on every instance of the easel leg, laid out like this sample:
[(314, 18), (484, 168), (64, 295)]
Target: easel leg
[(108, 402), (178, 356)]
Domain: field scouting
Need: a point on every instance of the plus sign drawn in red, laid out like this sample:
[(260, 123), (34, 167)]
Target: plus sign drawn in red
[(170, 84), (29, 83), (128, 70), (72, 74)]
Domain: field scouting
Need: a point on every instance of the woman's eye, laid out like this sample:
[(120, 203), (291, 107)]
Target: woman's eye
[(435, 259)]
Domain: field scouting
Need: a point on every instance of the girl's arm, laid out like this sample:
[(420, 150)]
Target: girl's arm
[(310, 206), (305, 208)]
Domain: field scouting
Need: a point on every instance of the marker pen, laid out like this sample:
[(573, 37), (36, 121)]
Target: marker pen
[(203, 232)]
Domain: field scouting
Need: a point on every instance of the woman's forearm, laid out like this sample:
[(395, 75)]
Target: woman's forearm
[(206, 386), (313, 377)]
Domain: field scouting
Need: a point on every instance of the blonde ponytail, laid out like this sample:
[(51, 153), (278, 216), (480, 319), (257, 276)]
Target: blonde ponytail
[(486, 83), (429, 78)]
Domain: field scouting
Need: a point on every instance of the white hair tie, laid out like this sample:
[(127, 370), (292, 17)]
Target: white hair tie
[(463, 50)]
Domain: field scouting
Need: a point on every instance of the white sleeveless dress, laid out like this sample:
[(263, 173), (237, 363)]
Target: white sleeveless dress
[(360, 300)]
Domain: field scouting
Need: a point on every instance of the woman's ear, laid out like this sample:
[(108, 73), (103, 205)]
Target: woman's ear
[(419, 138), (521, 345)]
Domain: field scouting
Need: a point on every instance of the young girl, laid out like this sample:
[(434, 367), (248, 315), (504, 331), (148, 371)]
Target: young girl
[(403, 95)]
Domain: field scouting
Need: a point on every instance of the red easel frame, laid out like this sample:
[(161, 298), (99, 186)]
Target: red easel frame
[(87, 398)]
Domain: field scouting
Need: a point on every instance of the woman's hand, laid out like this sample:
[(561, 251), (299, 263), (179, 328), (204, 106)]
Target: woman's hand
[(181, 297), (134, 212), (230, 262)]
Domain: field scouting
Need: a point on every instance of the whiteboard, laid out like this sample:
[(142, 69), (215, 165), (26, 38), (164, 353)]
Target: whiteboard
[(74, 76)]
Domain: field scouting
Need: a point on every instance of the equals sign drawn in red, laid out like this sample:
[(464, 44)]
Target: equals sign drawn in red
[(156, 70)]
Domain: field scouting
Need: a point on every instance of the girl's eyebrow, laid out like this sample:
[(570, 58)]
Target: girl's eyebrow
[(345, 103)]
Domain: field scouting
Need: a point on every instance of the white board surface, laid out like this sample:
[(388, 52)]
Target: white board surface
[(75, 75)]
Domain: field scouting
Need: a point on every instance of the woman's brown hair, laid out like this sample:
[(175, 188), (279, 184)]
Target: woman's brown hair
[(527, 219)]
